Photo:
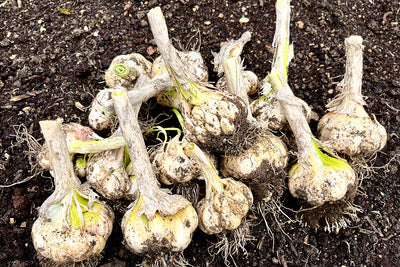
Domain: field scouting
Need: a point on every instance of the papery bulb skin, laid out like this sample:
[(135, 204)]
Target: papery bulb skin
[(172, 166), (107, 175), (224, 209), (263, 165), (171, 233), (192, 58), (318, 183), (352, 135), (250, 81), (125, 69), (99, 117), (268, 113), (218, 124), (62, 242)]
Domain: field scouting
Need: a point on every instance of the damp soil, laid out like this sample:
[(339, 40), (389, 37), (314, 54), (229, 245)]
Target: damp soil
[(53, 55)]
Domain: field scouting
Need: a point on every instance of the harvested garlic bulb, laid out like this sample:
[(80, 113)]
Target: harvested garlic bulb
[(171, 164), (320, 179), (316, 178), (72, 225), (157, 222), (216, 121), (263, 164), (226, 202), (107, 174), (162, 233), (125, 69), (347, 128)]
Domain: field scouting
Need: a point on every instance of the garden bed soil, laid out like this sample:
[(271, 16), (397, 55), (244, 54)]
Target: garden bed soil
[(53, 55)]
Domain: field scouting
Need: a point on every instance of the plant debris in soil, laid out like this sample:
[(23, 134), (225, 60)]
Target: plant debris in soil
[(53, 55)]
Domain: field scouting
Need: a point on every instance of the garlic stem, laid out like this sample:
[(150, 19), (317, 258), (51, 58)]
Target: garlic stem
[(154, 198), (61, 164), (283, 51), (128, 118), (168, 52), (213, 182), (351, 85), (294, 114), (234, 79)]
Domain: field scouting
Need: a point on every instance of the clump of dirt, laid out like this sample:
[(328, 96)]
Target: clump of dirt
[(52, 63)]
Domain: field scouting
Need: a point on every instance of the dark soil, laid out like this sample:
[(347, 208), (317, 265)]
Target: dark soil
[(51, 61)]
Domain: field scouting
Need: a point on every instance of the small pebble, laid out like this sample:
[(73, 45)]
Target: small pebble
[(207, 22), (300, 24), (243, 20)]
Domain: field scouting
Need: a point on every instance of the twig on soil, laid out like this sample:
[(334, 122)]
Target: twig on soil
[(378, 231), (282, 259)]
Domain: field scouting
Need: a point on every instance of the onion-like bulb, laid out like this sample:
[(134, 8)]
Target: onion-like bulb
[(107, 174), (226, 202), (320, 179), (171, 164), (163, 233), (347, 128), (262, 164), (157, 221), (125, 69), (72, 225), (214, 120), (316, 178)]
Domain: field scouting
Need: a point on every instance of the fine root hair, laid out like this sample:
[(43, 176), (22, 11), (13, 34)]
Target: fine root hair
[(231, 243)]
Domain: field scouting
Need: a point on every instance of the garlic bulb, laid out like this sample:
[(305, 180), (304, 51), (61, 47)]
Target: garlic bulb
[(321, 178), (347, 128), (107, 174), (263, 164), (72, 225), (214, 120), (268, 112), (125, 69), (171, 165), (163, 233), (316, 178), (226, 202), (157, 221)]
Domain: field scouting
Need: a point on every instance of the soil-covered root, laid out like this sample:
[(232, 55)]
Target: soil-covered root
[(93, 261), (331, 216), (168, 259), (189, 190), (232, 242)]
